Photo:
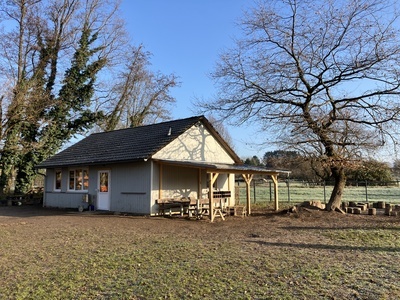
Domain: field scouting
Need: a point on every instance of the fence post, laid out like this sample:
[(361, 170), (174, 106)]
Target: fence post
[(324, 192), (288, 189), (366, 190), (238, 192), (254, 190), (270, 191)]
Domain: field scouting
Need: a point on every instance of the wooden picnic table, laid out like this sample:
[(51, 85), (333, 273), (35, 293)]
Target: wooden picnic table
[(171, 203), (197, 207)]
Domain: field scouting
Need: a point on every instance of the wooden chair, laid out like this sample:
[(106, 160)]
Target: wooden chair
[(236, 210), (198, 208), (239, 210)]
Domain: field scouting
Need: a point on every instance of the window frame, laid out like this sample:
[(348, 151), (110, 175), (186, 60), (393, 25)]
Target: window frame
[(78, 180), (57, 171)]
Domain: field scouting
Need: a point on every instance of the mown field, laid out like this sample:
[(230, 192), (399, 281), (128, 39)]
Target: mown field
[(298, 192), (56, 254)]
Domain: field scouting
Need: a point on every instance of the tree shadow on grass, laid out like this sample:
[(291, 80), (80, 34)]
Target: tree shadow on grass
[(326, 247), (342, 228)]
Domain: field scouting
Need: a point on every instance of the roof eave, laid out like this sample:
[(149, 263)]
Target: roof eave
[(90, 163)]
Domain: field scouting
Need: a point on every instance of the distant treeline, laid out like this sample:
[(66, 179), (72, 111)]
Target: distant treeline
[(311, 169)]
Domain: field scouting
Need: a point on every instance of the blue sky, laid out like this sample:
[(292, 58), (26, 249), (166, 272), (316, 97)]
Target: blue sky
[(185, 38)]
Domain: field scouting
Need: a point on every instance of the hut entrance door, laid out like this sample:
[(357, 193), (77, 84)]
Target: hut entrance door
[(103, 194)]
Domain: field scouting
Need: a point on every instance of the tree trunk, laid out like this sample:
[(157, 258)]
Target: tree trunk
[(337, 192)]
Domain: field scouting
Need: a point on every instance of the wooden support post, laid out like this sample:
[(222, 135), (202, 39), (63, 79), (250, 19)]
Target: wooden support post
[(275, 180), (213, 178), (229, 188), (160, 180), (248, 178), (199, 188)]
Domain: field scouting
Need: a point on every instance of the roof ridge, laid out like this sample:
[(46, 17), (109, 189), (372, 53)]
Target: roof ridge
[(148, 125)]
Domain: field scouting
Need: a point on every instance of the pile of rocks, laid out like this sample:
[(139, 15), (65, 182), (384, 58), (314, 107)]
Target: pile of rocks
[(357, 208), (371, 208)]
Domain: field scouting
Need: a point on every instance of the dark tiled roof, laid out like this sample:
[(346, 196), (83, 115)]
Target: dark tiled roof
[(131, 144)]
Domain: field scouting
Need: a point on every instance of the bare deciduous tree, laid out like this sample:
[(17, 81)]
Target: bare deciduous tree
[(139, 96), (324, 75), (221, 129)]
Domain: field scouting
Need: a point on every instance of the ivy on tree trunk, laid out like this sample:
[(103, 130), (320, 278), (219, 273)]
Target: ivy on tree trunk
[(68, 114)]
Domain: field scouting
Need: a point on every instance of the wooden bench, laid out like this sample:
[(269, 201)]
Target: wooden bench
[(25, 199)]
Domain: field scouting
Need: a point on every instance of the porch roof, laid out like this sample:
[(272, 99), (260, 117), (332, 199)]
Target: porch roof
[(225, 168)]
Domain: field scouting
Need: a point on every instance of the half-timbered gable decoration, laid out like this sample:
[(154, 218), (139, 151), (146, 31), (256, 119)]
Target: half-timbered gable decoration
[(150, 169)]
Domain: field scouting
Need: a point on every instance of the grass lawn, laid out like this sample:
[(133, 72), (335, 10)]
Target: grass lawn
[(52, 254)]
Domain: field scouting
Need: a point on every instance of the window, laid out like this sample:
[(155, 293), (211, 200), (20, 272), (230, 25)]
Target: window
[(104, 182), (78, 180), (57, 183)]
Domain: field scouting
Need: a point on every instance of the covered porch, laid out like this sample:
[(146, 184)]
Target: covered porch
[(216, 202)]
